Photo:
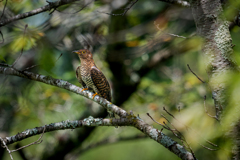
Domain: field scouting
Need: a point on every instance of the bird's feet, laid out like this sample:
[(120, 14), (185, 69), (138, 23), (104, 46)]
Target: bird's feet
[(84, 89), (95, 95)]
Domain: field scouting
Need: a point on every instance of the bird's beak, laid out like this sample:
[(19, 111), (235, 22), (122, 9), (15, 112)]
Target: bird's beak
[(75, 52)]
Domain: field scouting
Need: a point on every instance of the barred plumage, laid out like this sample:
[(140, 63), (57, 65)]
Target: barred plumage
[(90, 76)]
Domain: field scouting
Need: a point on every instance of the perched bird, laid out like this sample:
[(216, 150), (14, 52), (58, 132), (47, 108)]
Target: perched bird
[(90, 76)]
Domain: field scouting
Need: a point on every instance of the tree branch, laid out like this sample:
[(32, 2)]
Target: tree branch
[(125, 120), (51, 5), (125, 10), (4, 9), (3, 144), (65, 85), (35, 142), (212, 26), (90, 121), (131, 5)]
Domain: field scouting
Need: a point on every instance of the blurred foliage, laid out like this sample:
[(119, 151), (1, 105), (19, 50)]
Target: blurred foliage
[(144, 39)]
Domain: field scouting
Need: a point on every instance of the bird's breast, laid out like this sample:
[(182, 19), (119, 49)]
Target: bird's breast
[(86, 76)]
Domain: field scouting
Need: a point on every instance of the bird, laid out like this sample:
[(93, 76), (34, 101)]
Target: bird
[(90, 77)]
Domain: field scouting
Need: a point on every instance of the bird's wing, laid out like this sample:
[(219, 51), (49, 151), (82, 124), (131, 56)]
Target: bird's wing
[(101, 83), (79, 77)]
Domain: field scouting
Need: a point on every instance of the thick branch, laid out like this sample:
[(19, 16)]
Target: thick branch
[(65, 85), (125, 120), (51, 5), (129, 121), (213, 27), (90, 121)]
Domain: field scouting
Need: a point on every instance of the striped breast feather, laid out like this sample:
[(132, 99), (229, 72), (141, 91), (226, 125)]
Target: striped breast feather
[(101, 83), (79, 77)]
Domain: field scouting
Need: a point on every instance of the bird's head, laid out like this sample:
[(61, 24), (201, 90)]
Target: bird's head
[(84, 53)]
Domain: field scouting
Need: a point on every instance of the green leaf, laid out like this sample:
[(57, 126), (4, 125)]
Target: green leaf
[(1, 58)]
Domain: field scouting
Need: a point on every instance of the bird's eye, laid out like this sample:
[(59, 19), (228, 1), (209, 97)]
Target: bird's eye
[(83, 52)]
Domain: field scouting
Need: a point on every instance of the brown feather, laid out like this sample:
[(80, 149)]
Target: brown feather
[(101, 83), (90, 76), (79, 77)]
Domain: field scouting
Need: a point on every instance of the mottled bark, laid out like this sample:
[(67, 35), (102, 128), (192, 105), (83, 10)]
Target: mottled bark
[(131, 120), (217, 47)]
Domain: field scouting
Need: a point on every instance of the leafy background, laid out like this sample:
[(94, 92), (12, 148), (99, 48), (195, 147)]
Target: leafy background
[(127, 49)]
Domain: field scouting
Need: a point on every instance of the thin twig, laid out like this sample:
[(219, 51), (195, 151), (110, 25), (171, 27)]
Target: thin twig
[(157, 122), (215, 117), (1, 18), (36, 11), (3, 10), (33, 66), (2, 37), (168, 112), (36, 142), (174, 117), (211, 143), (78, 10), (174, 35), (206, 111), (190, 127), (131, 5), (164, 125), (190, 148), (181, 137), (58, 57), (9, 151), (173, 131), (195, 74), (125, 10), (209, 148)]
